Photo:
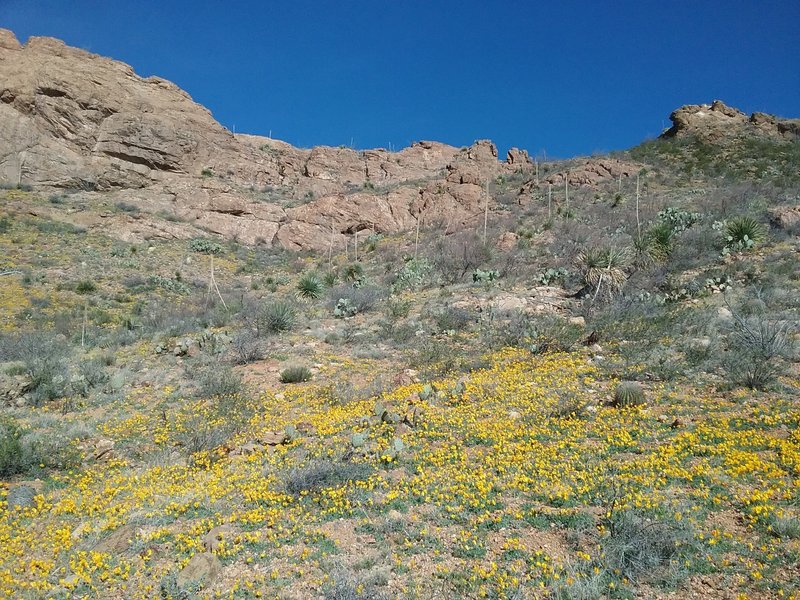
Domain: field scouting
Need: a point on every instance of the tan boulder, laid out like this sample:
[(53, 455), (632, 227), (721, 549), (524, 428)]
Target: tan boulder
[(202, 569)]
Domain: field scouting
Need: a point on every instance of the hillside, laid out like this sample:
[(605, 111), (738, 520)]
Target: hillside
[(234, 368)]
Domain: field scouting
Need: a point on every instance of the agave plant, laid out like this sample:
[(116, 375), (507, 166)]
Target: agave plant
[(310, 286), (603, 268)]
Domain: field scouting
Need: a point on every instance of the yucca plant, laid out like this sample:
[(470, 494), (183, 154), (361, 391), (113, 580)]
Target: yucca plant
[(354, 273), (276, 317), (310, 286), (329, 279), (744, 232), (662, 238), (603, 268)]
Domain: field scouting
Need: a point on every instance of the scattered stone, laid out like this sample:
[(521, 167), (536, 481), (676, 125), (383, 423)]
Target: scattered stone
[(117, 542), (13, 388), (507, 241), (102, 449), (117, 381), (202, 569), (20, 496), (213, 539)]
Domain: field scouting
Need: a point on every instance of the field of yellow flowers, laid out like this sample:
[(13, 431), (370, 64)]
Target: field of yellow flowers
[(515, 481)]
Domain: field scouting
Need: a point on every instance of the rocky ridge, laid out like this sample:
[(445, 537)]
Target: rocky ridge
[(78, 122), (717, 121)]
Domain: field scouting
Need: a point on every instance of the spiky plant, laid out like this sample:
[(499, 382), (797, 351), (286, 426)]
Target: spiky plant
[(276, 317), (628, 393), (662, 238), (744, 231), (310, 286), (295, 374), (354, 273), (603, 268)]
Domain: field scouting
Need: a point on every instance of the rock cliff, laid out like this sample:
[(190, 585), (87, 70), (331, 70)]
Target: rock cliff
[(73, 120)]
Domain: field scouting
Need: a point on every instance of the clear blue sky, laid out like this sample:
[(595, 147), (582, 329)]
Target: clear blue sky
[(565, 77)]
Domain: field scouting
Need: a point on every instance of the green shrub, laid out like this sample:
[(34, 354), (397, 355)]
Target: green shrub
[(45, 358), (295, 374), (165, 283), (322, 473), (644, 550), (246, 347), (219, 380), (124, 207), (12, 460), (413, 275), (205, 246), (85, 287), (310, 286), (354, 273), (742, 233), (628, 393), (5, 224), (24, 452), (276, 317), (757, 349)]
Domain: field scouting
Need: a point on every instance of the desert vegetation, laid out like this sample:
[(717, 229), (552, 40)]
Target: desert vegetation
[(592, 396)]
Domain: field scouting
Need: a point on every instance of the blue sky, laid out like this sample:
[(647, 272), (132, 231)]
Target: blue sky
[(561, 77)]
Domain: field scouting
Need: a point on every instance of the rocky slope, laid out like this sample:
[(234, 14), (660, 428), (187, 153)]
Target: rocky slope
[(77, 121)]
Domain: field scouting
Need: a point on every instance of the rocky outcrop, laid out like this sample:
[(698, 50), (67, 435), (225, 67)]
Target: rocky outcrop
[(717, 121), (595, 171), (78, 121)]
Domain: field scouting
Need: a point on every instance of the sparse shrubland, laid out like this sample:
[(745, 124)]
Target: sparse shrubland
[(600, 401)]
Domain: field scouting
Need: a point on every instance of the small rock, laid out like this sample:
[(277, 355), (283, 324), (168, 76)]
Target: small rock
[(250, 448), (117, 381), (273, 438), (20, 496), (116, 542), (202, 569), (514, 415), (395, 515), (579, 321), (213, 538), (80, 531), (102, 449)]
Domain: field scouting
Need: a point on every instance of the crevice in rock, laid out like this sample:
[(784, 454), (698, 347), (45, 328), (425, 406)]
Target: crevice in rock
[(51, 92), (139, 160)]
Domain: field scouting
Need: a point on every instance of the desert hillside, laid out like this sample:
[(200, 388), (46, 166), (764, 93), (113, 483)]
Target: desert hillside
[(233, 368)]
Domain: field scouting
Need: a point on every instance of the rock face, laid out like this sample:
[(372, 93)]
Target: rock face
[(74, 120), (717, 121), (202, 569)]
